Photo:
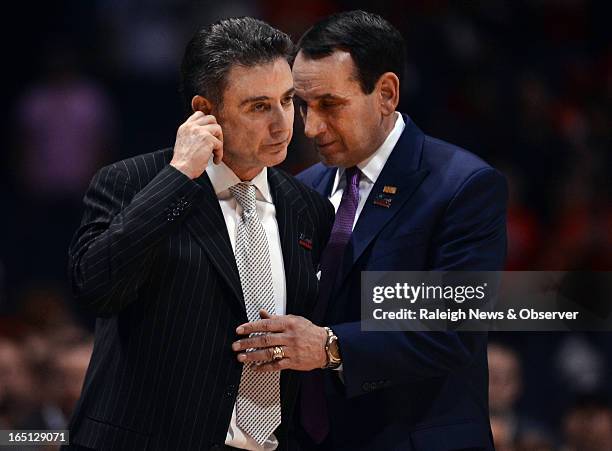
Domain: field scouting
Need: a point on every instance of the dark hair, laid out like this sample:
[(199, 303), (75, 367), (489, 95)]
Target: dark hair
[(214, 49), (375, 45)]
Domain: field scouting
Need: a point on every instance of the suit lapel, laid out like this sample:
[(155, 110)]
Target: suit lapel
[(208, 226), (326, 181), (289, 205), (401, 171)]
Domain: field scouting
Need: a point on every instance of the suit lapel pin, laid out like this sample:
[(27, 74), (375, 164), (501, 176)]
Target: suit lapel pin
[(388, 189), (382, 201), (305, 242)]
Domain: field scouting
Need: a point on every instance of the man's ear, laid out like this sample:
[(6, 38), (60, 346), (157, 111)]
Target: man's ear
[(388, 90), (199, 103)]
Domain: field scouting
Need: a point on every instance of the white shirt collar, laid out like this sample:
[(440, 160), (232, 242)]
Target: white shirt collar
[(222, 178), (372, 166)]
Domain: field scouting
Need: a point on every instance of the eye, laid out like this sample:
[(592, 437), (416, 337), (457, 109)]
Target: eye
[(260, 106), (287, 101), (328, 104)]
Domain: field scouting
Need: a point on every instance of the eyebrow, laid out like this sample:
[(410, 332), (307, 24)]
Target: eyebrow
[(290, 91), (326, 96)]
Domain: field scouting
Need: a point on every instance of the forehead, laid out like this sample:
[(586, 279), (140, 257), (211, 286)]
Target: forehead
[(331, 74), (271, 79)]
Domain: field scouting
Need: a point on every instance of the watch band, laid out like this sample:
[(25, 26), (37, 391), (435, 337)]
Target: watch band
[(332, 361)]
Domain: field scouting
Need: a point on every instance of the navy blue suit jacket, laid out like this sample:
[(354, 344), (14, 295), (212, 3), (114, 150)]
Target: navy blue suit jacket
[(423, 391)]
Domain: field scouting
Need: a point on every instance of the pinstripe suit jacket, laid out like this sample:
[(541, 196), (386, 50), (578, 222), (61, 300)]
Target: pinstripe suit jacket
[(153, 260)]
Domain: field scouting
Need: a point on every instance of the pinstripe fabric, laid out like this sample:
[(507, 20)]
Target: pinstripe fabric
[(153, 260)]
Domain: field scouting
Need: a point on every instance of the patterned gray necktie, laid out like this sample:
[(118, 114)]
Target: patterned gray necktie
[(258, 409)]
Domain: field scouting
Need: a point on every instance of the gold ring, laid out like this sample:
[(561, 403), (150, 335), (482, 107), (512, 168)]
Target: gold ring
[(278, 353)]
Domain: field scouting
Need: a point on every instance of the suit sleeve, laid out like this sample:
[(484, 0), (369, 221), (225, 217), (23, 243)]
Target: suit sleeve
[(112, 252), (470, 237)]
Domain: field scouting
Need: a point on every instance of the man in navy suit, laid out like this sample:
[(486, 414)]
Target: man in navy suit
[(409, 202)]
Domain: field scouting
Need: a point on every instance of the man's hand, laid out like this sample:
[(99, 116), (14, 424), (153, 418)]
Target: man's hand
[(303, 343), (196, 139)]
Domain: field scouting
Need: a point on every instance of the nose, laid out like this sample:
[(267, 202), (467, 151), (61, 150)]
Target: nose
[(313, 124), (282, 120)]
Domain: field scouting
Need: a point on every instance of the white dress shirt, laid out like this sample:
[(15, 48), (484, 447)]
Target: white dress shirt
[(222, 177), (370, 168)]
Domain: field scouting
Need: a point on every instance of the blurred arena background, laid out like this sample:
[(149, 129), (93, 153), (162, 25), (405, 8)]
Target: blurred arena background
[(527, 85)]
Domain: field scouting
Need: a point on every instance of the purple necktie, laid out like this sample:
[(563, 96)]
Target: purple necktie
[(313, 407)]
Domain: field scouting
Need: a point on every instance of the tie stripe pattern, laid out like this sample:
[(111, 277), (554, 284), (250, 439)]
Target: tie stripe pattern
[(315, 419), (341, 233), (258, 408)]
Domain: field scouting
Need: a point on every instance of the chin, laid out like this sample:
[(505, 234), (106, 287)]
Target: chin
[(332, 159), (276, 158)]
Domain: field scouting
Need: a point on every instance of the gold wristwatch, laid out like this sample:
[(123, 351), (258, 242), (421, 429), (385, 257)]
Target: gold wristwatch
[(333, 351)]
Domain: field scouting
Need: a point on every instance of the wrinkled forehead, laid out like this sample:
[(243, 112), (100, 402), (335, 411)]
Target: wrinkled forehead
[(271, 79), (332, 73)]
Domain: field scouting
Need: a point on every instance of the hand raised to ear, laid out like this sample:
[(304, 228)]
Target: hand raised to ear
[(196, 139)]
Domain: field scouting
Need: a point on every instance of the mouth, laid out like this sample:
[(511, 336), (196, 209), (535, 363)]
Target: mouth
[(278, 144), (324, 145)]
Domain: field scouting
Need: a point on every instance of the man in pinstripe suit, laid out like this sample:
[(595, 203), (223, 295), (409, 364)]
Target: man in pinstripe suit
[(155, 257)]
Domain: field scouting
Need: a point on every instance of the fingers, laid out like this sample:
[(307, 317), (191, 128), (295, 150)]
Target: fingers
[(209, 124), (259, 355), (263, 314), (260, 341), (195, 115), (201, 119), (217, 155), (217, 149), (272, 324), (197, 139), (194, 127), (215, 130)]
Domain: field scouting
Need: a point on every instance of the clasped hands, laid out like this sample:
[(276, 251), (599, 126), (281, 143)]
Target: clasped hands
[(302, 342)]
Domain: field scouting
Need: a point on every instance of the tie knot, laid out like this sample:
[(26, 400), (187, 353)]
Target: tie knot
[(245, 196), (352, 176)]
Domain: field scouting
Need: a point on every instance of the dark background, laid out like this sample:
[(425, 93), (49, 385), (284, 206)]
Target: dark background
[(526, 85)]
